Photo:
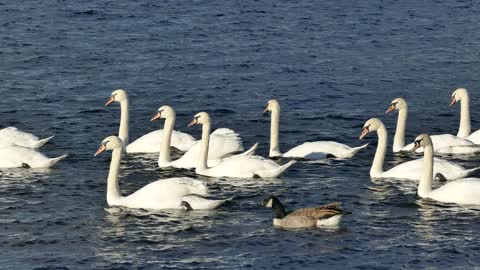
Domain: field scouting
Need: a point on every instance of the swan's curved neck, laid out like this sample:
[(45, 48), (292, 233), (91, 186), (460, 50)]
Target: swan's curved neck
[(274, 123), (202, 161), (377, 165), (123, 131), (425, 185), (113, 191), (399, 139), (465, 127), (164, 155)]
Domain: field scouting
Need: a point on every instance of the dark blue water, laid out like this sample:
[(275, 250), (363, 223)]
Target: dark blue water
[(331, 64)]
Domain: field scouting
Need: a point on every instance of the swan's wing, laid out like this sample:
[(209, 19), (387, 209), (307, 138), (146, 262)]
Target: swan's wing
[(242, 166), (318, 150), (199, 203), (221, 145), (474, 137), (462, 191), (151, 142), (16, 156), (12, 135)]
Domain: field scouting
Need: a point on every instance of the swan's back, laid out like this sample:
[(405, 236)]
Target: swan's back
[(320, 147), (461, 191), (151, 142), (14, 136)]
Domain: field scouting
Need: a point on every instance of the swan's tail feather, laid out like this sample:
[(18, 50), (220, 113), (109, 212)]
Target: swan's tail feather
[(275, 172), (352, 152), (250, 151), (40, 143), (52, 161)]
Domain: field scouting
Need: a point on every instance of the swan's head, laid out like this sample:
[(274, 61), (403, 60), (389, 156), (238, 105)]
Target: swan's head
[(272, 105), (200, 119), (422, 140), (458, 95), (164, 112), (118, 95), (109, 143), (271, 202), (373, 124), (397, 104)]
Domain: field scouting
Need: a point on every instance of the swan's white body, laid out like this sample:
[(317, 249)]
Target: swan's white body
[(309, 150), (461, 191), (148, 143), (161, 194), (12, 136), (465, 127), (224, 142), (443, 143), (239, 166), (411, 170), (17, 156)]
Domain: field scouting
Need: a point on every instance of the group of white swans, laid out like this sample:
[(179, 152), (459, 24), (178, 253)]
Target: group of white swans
[(221, 154)]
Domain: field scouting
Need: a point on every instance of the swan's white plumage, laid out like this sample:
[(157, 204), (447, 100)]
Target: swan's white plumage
[(443, 143), (17, 156), (413, 170), (461, 191), (161, 194), (150, 142), (309, 150), (223, 142), (14, 136), (246, 167), (320, 150), (474, 137)]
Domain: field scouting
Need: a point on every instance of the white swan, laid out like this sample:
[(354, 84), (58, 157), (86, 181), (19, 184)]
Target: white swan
[(161, 194), (223, 142), (13, 136), (461, 94), (409, 170), (445, 143), (240, 166), (461, 191), (309, 150), (18, 156), (150, 142)]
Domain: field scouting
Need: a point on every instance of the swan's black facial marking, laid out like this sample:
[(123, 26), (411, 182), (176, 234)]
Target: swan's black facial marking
[(418, 142)]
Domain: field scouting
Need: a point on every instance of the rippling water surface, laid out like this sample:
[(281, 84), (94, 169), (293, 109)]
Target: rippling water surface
[(332, 65)]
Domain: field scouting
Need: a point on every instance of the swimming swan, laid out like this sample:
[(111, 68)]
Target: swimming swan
[(309, 150), (162, 194), (461, 191)]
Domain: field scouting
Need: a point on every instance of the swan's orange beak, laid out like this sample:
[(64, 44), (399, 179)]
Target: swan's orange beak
[(156, 116), (100, 150), (415, 147), (452, 102), (194, 121), (390, 108), (364, 133), (110, 101)]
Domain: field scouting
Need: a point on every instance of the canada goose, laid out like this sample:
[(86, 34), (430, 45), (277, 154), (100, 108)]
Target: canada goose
[(327, 215)]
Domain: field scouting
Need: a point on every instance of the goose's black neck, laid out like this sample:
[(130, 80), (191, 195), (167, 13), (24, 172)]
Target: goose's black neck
[(278, 210)]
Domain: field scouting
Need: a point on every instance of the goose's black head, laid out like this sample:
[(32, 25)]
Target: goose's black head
[(274, 203)]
